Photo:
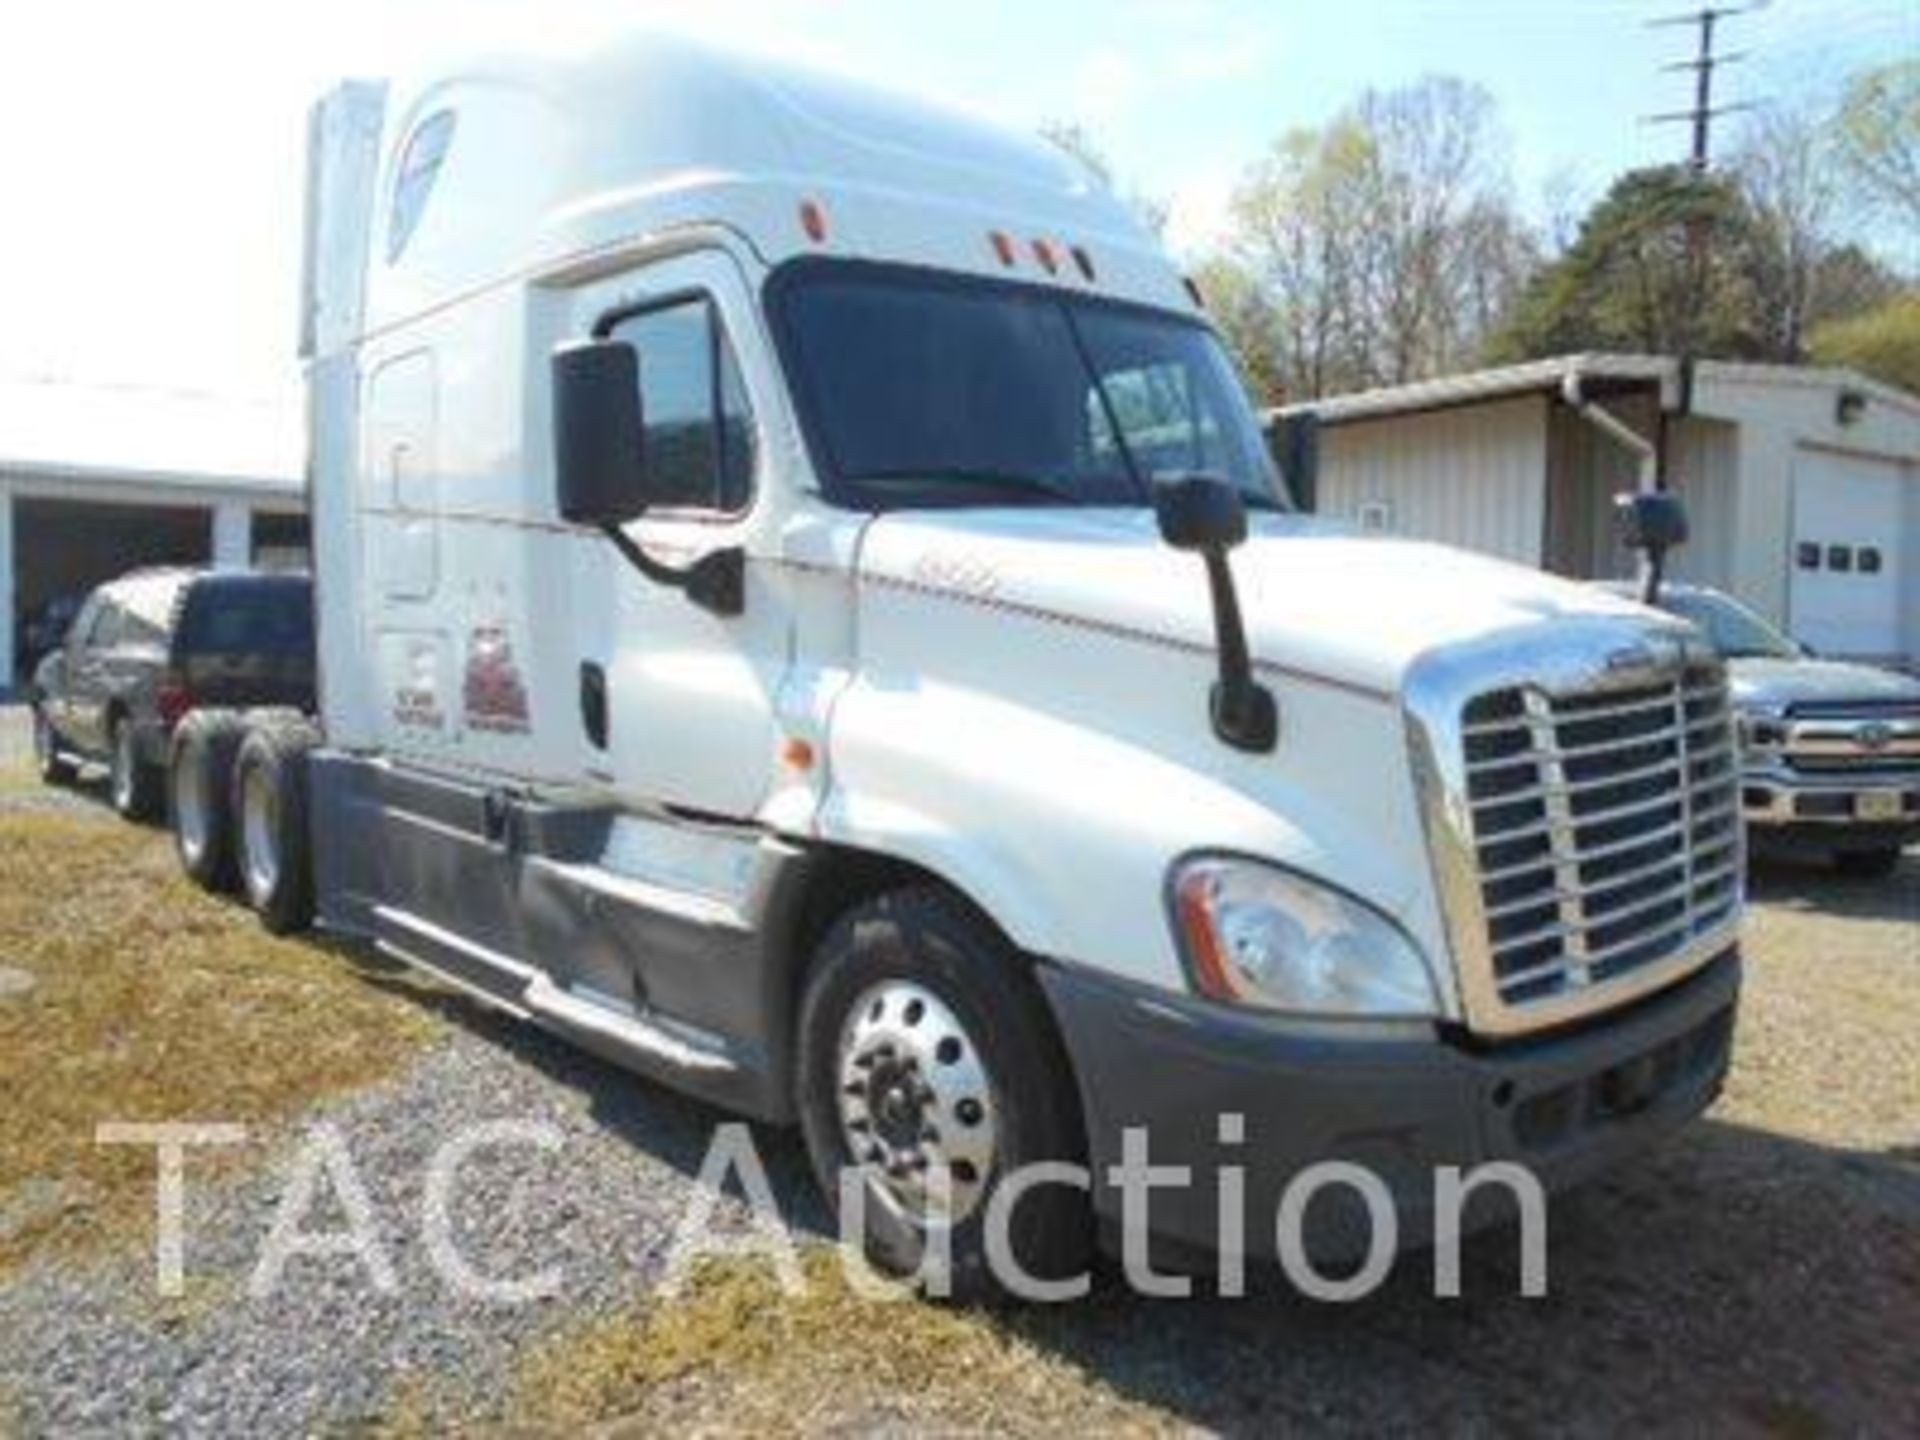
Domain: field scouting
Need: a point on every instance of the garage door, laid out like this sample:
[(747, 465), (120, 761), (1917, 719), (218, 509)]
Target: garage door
[(1850, 535)]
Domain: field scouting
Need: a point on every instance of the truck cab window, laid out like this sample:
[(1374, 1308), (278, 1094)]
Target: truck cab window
[(699, 429), (1163, 425), (922, 390)]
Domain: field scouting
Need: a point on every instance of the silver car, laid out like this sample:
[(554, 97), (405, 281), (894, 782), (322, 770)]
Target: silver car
[(1830, 750)]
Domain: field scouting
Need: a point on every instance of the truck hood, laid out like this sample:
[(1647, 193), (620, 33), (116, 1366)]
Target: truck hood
[(1767, 682), (1318, 597)]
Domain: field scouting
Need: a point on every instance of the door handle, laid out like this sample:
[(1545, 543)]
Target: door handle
[(593, 702)]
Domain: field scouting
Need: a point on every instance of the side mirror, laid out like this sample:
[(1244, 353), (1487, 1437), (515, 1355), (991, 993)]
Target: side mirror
[(1651, 522), (598, 433), (600, 473), (1204, 513), (1199, 512)]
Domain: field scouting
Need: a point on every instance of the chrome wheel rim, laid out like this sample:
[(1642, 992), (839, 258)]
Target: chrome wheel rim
[(917, 1111), (122, 769), (189, 811), (259, 813)]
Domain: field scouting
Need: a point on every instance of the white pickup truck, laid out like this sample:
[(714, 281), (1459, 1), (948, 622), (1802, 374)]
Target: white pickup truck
[(806, 611)]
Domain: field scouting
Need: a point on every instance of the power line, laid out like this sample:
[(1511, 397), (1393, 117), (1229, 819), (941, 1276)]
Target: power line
[(1704, 64)]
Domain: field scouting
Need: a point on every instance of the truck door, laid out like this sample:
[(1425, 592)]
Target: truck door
[(677, 703)]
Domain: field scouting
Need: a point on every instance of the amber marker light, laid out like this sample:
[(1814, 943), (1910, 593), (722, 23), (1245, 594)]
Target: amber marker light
[(813, 220)]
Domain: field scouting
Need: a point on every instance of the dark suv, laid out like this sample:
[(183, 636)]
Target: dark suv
[(147, 648)]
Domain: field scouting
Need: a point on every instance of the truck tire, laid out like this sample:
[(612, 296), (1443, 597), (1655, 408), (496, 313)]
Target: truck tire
[(54, 767), (199, 789), (136, 789), (924, 1042), (1875, 864), (272, 848)]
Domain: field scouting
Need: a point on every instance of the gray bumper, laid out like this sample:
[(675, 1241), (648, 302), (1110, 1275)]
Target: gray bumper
[(1567, 1105), (1773, 802)]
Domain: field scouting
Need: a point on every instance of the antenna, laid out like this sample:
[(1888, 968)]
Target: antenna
[(1701, 117)]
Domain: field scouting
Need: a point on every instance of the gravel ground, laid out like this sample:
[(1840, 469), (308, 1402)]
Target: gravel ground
[(1760, 1274)]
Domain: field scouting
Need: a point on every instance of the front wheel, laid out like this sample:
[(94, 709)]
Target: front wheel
[(54, 768), (928, 1070)]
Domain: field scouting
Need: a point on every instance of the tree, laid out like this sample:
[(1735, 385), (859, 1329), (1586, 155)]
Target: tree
[(1880, 138), (1073, 138), (1630, 281), (1250, 322), (1386, 240), (1786, 175), (1883, 343), (1788, 170)]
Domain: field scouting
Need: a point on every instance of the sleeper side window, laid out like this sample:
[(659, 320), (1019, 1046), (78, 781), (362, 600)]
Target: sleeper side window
[(699, 428), (420, 162)]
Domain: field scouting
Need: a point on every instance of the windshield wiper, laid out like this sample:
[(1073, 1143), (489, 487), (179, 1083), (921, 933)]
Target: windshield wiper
[(1001, 479)]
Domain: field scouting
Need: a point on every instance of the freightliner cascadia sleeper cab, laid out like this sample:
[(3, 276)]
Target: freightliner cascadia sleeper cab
[(806, 611)]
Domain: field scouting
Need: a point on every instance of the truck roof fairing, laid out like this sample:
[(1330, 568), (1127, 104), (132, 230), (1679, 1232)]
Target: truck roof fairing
[(560, 161)]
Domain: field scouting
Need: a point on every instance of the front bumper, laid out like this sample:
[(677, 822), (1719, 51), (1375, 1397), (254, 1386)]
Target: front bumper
[(1566, 1105), (1774, 799)]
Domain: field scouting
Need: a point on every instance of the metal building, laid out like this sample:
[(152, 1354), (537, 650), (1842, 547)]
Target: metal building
[(96, 481), (1803, 484)]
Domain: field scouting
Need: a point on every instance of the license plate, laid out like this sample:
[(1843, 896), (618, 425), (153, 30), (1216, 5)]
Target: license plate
[(1877, 805)]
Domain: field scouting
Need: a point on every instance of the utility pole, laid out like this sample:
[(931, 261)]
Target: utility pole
[(1704, 63), (1699, 237)]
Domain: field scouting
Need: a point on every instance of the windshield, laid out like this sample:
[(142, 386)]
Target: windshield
[(1735, 631), (925, 390)]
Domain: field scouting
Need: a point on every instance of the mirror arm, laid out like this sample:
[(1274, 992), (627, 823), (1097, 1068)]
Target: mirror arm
[(1244, 712), (716, 582)]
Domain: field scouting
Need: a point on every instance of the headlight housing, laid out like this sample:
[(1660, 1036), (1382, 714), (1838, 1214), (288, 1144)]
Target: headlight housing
[(1760, 730), (1257, 935)]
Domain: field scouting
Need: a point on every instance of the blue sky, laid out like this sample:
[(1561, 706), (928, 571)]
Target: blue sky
[(150, 149)]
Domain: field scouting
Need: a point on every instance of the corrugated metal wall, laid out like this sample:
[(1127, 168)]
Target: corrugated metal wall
[(1472, 477), (1586, 470)]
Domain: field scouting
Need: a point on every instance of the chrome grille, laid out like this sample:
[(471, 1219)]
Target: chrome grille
[(1604, 825), (1867, 737)]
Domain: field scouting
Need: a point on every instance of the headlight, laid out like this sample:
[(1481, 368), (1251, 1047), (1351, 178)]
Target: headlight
[(1258, 935), (1760, 730)]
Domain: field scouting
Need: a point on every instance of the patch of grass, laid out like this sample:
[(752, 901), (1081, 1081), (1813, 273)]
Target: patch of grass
[(733, 1353), (152, 1002)]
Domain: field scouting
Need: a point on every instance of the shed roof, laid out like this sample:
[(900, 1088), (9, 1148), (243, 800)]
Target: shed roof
[(152, 435), (1600, 370)]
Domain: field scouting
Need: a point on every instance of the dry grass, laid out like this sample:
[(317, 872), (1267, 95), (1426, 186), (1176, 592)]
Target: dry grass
[(151, 1002), (735, 1355), (1828, 1021)]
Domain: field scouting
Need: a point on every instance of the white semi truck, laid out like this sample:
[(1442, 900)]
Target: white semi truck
[(807, 612)]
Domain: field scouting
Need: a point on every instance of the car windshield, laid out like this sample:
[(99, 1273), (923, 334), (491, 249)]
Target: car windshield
[(1735, 631), (925, 390)]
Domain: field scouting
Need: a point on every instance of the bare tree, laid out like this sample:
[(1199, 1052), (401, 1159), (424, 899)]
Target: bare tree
[(1785, 168), (1387, 239), (1880, 137)]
